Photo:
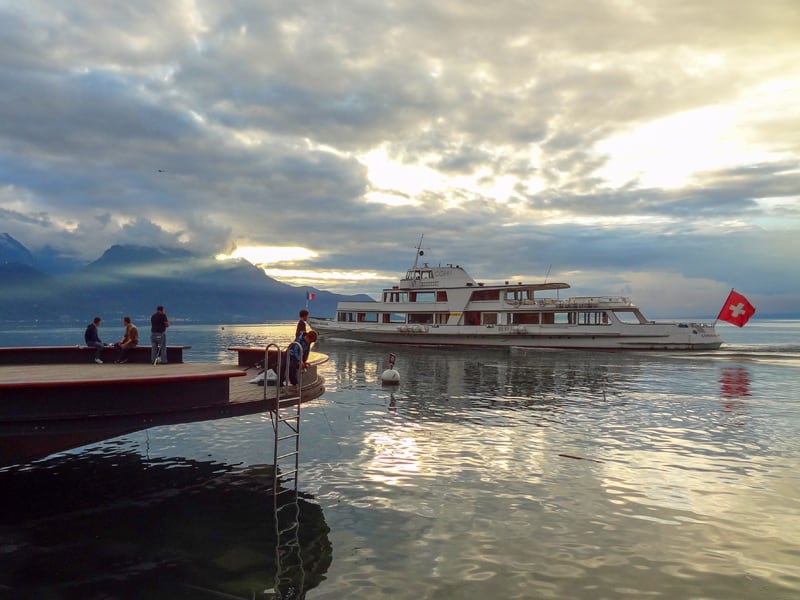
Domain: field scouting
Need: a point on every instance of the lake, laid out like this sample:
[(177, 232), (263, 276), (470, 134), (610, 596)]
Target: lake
[(483, 474)]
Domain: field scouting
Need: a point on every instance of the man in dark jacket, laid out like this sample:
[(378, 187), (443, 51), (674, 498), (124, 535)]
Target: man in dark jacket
[(158, 336), (92, 338)]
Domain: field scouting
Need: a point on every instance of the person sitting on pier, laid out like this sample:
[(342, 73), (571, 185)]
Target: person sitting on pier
[(92, 339), (298, 354), (128, 341)]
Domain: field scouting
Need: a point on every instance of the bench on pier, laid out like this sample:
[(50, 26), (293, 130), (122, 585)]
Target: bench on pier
[(72, 355)]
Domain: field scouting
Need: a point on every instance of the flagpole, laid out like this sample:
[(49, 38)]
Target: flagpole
[(723, 308)]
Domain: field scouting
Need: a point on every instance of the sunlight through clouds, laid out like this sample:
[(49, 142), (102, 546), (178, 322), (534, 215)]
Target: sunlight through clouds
[(669, 152), (267, 255), (396, 183)]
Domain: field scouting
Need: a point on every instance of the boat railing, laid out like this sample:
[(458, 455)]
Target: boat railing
[(583, 302)]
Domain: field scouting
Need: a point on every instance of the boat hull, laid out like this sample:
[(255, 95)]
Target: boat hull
[(658, 337)]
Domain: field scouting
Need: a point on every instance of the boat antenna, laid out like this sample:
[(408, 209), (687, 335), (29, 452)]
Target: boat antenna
[(419, 251), (548, 272)]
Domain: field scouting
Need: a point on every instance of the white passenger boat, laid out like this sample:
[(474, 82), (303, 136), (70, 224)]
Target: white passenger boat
[(443, 305)]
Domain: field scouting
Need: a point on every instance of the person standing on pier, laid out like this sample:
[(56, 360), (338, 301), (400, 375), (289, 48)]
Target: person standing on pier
[(158, 336), (302, 326), (92, 338)]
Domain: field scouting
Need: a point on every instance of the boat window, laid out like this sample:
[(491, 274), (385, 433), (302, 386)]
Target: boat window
[(594, 317), (526, 318), (395, 296), (421, 318), (630, 316), (422, 297), (489, 318), (441, 296), (547, 318), (441, 318), (370, 317), (484, 295), (518, 295)]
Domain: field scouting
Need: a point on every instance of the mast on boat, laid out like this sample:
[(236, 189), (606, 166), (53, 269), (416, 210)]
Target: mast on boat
[(419, 251)]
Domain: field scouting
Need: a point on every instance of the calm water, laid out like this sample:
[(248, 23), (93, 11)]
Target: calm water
[(484, 474)]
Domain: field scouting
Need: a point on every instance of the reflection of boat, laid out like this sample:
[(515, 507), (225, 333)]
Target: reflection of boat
[(49, 408), (443, 305), (128, 527)]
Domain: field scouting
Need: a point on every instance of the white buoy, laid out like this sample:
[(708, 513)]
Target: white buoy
[(390, 375)]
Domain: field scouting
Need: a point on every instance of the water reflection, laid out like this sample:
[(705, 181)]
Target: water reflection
[(484, 377), (734, 382), (117, 525)]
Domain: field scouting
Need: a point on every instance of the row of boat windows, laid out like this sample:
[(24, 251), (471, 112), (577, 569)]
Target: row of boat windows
[(482, 318), (394, 296)]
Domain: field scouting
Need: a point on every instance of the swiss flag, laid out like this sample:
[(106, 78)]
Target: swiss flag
[(736, 310)]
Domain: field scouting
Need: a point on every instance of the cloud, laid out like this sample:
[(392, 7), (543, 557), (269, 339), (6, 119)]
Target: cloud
[(605, 137)]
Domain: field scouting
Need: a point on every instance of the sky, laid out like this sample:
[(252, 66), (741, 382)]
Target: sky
[(642, 148)]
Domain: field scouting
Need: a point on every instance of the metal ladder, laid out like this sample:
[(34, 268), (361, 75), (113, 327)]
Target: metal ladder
[(289, 571)]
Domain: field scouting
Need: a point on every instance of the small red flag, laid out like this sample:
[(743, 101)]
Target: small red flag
[(736, 310)]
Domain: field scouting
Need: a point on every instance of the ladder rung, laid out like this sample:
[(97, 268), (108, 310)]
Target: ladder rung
[(292, 453), (292, 527)]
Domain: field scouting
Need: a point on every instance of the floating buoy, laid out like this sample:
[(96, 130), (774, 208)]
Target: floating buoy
[(390, 375)]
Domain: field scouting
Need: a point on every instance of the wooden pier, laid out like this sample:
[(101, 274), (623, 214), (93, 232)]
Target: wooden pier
[(45, 408)]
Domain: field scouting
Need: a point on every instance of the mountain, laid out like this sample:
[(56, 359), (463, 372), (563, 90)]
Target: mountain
[(133, 280), (24, 292), (11, 251)]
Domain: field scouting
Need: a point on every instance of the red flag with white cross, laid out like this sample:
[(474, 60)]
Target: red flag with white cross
[(736, 310)]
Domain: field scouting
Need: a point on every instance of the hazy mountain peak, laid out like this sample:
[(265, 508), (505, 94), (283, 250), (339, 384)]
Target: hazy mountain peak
[(125, 254), (12, 251)]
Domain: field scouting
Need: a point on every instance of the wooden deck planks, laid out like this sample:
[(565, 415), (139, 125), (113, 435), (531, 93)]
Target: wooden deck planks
[(72, 374)]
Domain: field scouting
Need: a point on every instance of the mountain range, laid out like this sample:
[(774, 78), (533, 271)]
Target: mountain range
[(133, 280)]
